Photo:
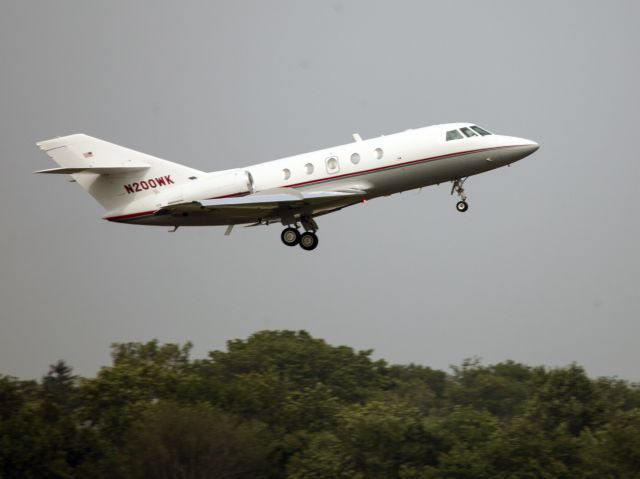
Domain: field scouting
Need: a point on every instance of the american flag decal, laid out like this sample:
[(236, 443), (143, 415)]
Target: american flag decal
[(88, 154)]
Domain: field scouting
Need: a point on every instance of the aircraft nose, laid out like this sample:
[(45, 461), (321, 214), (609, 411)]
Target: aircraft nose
[(529, 147), (519, 148)]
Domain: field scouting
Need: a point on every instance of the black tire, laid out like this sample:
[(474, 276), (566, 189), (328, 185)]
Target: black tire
[(308, 241), (290, 236), (462, 206)]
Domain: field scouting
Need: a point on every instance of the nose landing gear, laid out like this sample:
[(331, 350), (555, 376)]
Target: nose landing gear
[(457, 188)]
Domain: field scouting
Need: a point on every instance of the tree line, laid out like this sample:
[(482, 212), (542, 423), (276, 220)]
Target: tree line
[(283, 404)]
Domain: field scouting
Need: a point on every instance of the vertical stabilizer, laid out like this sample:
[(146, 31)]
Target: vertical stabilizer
[(112, 174)]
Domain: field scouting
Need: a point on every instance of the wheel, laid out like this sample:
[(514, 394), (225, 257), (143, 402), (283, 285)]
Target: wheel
[(308, 241), (290, 236), (462, 206)]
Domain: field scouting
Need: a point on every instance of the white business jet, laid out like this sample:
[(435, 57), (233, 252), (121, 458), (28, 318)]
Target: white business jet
[(137, 188)]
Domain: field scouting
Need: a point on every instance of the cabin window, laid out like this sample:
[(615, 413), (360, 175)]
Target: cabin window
[(379, 153), (286, 173), (308, 168), (454, 135), (355, 158), (467, 132), (332, 165), (482, 131)]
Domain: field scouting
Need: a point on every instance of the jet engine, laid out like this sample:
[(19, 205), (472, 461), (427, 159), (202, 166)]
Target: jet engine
[(215, 185)]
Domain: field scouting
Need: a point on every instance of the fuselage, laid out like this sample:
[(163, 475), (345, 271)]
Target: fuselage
[(378, 167), (393, 163)]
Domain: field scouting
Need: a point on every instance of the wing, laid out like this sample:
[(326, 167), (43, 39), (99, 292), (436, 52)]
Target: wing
[(285, 204)]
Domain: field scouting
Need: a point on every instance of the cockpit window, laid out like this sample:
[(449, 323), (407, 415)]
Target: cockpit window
[(454, 135), (467, 132), (482, 131)]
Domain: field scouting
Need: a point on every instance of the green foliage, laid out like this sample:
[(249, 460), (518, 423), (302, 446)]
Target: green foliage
[(141, 374), (462, 435), (282, 404), (381, 437), (523, 449), (614, 450), (375, 440), (500, 389), (289, 380), (419, 386), (323, 457), (565, 398), (196, 441), (302, 361), (312, 409), (40, 435)]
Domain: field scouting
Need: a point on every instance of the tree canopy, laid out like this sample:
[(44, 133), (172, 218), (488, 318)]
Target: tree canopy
[(282, 404)]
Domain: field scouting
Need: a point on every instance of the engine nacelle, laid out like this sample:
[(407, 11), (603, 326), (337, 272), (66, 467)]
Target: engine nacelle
[(213, 185)]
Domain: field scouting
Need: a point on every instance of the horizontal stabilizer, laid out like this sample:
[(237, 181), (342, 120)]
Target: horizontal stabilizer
[(82, 154), (98, 170)]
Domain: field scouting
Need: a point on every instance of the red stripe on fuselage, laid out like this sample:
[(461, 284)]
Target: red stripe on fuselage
[(398, 165)]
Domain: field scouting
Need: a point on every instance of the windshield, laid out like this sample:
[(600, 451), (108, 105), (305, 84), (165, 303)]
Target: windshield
[(467, 132), (454, 135), (482, 131)]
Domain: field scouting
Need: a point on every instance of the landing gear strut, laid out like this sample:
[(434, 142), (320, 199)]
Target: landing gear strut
[(457, 188)]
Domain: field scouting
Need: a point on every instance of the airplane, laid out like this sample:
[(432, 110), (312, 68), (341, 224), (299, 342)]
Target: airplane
[(136, 188)]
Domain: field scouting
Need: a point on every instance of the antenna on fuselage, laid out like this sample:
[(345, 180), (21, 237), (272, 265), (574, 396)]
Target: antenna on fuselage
[(357, 137)]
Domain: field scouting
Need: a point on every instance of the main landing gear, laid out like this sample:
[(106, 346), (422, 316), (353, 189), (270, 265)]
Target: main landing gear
[(307, 240), (457, 188), (290, 236)]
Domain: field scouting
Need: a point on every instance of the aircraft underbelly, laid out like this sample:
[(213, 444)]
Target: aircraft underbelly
[(428, 173)]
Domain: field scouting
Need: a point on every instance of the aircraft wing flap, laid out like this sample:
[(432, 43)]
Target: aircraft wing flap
[(269, 203), (255, 201), (269, 200)]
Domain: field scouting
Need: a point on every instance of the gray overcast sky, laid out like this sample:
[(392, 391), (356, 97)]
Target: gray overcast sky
[(542, 269)]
